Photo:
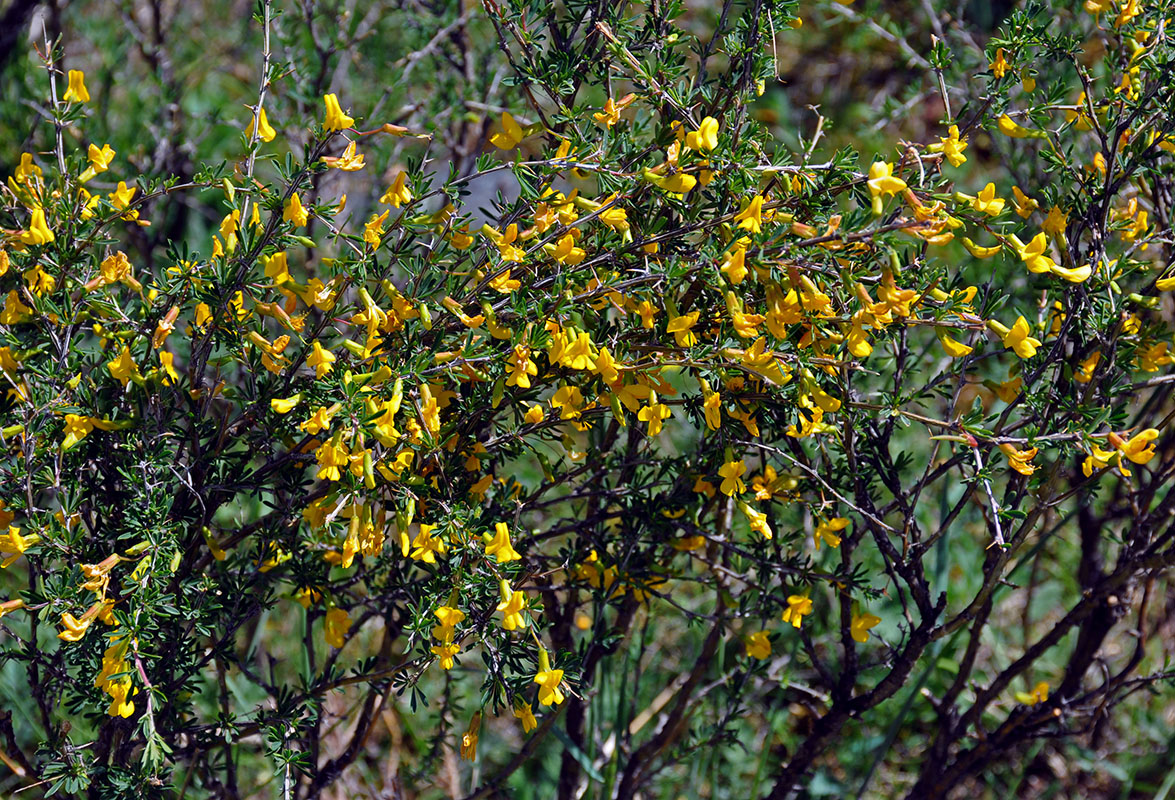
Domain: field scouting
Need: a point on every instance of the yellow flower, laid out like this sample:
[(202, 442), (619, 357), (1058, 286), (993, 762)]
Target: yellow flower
[(757, 520), (655, 414), (758, 646), (321, 359), (999, 66), (798, 606), (953, 348), (449, 618), (349, 161), (610, 114), (1039, 693), (123, 368), (335, 627), (499, 546), (1024, 204), (861, 623), (509, 134), (705, 138), (121, 198), (76, 429), (731, 473), (512, 607), (445, 652), (521, 367), (1055, 222), (100, 158), (565, 251), (1084, 372), (426, 547), (882, 183), (75, 628), (827, 530), (76, 93), (469, 739), (987, 202), (293, 211), (1018, 340), (525, 714), (751, 217), (682, 329), (534, 414), (734, 262), (373, 231), (952, 147), (398, 193), (38, 231), (1018, 459), (548, 680), (318, 421), (336, 120), (1141, 447), (712, 406), (1008, 127), (285, 405), (265, 131), (677, 183)]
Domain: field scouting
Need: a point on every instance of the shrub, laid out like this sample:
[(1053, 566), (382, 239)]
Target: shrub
[(717, 460)]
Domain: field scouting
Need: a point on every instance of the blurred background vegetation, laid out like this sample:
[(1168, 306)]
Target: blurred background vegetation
[(171, 80)]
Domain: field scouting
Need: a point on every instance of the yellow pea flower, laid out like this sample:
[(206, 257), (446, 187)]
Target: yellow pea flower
[(705, 138), (349, 161), (860, 625), (549, 681), (76, 93), (321, 359), (751, 217), (499, 546), (758, 646), (798, 606), (1018, 459), (512, 607), (882, 183), (123, 368), (524, 713), (953, 348), (731, 473), (1016, 338), (1040, 692), (293, 211), (336, 120), (265, 131), (469, 739), (335, 627), (38, 231), (398, 194), (1009, 127), (509, 134), (100, 158), (828, 530), (952, 147), (987, 202)]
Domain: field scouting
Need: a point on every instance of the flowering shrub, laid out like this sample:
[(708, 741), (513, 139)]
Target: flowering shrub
[(308, 459)]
